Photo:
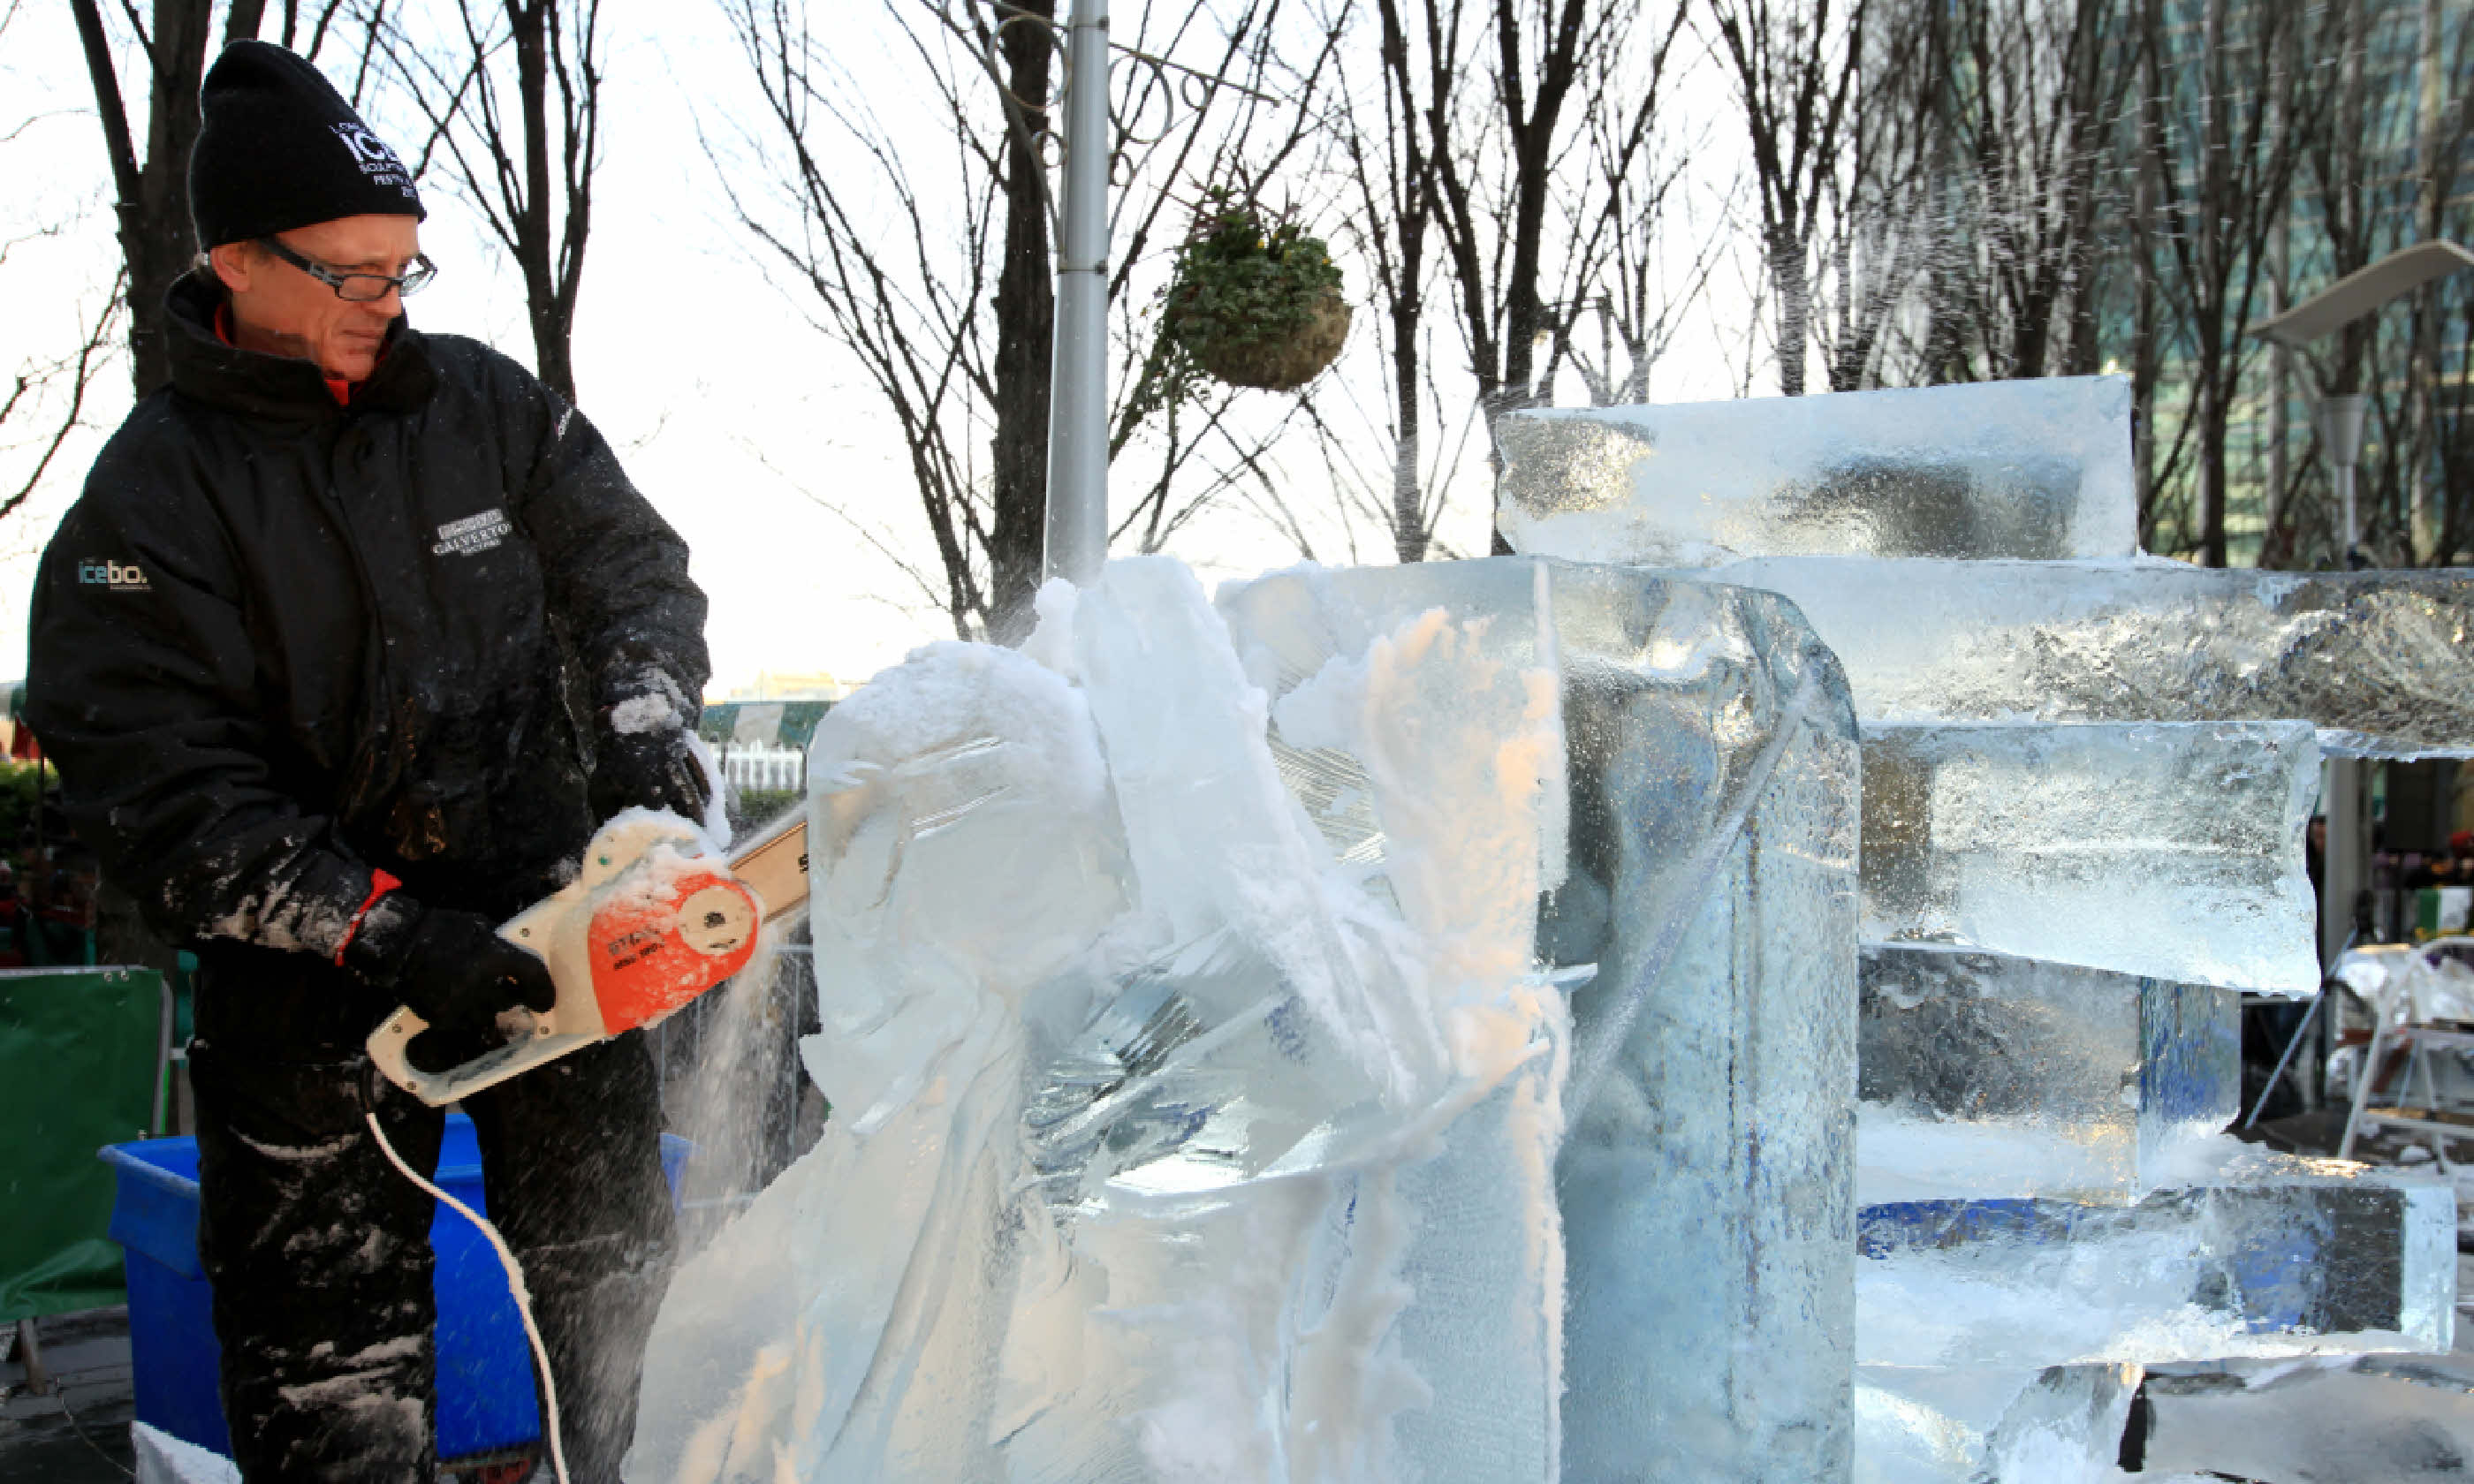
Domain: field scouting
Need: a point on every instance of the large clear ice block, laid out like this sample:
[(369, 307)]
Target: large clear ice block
[(2164, 848), (1162, 1148), (2381, 662), (1987, 1076), (1706, 1183), (2061, 1425), (2271, 1256), (2030, 470)]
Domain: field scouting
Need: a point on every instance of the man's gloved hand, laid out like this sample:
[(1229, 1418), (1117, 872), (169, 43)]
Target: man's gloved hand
[(656, 768), (455, 972)]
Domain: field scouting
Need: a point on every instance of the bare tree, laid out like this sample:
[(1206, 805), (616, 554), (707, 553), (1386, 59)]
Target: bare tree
[(151, 196), (151, 193), (1796, 64), (1981, 163), (2220, 116), (1387, 143), (46, 400), (512, 93), (927, 255)]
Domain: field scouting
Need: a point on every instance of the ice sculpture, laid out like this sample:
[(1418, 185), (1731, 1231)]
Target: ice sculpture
[(2379, 661), (1998, 468), (1983, 1075), (2058, 1425), (2270, 1255), (2172, 849), (1163, 1146), (1704, 1184)]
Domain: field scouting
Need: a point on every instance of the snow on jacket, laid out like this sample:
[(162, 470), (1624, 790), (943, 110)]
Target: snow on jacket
[(280, 641)]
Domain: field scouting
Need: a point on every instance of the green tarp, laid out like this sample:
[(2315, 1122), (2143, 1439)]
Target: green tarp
[(79, 1056), (761, 722)]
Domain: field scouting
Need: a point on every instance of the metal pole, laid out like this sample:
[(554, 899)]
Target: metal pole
[(1078, 409), (2341, 434), (2346, 860)]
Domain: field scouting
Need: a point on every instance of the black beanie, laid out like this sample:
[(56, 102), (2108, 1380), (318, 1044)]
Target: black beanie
[(279, 147)]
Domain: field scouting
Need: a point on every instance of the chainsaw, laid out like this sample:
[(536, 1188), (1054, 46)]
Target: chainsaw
[(653, 919)]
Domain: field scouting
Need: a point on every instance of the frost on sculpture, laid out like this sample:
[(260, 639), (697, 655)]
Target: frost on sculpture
[(1164, 1145)]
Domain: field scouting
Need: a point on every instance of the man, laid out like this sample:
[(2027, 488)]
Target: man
[(326, 656)]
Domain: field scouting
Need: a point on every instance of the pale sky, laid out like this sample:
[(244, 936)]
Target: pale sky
[(730, 411)]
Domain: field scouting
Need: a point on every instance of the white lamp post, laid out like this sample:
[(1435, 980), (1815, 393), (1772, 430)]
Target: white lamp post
[(1077, 408)]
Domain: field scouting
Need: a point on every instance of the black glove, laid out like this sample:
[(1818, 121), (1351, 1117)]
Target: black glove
[(453, 970), (657, 770)]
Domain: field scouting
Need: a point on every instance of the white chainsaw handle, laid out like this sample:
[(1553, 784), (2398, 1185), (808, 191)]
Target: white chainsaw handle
[(521, 1053), (545, 1042)]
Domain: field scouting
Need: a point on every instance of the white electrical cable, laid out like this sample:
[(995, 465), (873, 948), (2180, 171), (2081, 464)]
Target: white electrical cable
[(514, 1285)]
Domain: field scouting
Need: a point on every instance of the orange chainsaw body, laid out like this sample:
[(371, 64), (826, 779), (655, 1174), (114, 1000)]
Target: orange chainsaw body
[(651, 956), (654, 917)]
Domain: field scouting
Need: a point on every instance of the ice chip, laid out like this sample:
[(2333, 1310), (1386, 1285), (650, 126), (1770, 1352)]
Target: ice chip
[(2061, 1425)]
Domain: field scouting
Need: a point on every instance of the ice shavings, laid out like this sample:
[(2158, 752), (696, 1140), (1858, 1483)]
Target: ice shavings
[(652, 711), (1165, 1146)]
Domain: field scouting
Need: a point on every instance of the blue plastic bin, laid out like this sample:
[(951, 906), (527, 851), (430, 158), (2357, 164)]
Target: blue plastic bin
[(485, 1369)]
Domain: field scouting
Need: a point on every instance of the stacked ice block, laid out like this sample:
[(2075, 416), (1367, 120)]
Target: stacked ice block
[(2086, 776)]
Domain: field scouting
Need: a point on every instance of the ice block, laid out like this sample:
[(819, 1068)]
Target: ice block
[(1707, 1179), (2061, 1425), (2031, 469), (2271, 1256), (1987, 1076), (1162, 1148), (2381, 662), (2173, 850), (2335, 1418)]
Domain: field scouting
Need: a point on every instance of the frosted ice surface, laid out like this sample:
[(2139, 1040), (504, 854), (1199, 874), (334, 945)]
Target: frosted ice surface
[(2061, 1425), (2162, 848), (1706, 1185), (2028, 469), (2270, 1256), (1984, 1075), (2381, 662), (1163, 1146)]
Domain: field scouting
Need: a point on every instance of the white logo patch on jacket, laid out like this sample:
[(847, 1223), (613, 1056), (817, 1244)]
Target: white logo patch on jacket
[(473, 534)]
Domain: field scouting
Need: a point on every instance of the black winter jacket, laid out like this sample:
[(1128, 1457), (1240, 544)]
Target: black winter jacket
[(279, 642)]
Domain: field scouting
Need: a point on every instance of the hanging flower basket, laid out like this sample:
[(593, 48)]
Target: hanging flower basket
[(1254, 302)]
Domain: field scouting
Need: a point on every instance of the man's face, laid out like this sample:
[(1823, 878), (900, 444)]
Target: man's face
[(279, 308)]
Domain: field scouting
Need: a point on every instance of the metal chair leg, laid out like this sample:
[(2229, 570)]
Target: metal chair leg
[(30, 1354), (2363, 1080)]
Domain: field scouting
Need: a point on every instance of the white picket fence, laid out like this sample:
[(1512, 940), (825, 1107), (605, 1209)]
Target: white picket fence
[(764, 767)]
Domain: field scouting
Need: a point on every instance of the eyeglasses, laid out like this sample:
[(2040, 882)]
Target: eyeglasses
[(358, 288)]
